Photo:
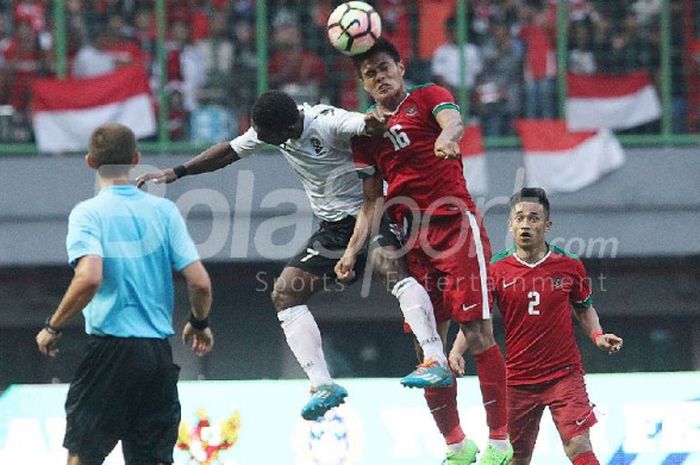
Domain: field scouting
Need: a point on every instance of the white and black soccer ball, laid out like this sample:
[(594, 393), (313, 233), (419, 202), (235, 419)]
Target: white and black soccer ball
[(354, 27)]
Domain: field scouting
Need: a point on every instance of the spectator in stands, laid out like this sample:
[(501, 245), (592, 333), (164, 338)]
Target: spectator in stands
[(582, 59), (446, 59), (93, 58), (244, 81), (499, 86), (298, 72), (121, 45), (32, 12), (218, 53), (540, 59), (396, 25), (145, 35), (76, 21), (629, 48), (23, 62), (184, 63)]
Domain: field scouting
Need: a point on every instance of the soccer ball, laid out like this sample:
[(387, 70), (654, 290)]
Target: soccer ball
[(353, 27)]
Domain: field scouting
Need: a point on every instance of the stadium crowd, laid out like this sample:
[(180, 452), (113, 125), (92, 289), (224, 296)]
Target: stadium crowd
[(212, 60)]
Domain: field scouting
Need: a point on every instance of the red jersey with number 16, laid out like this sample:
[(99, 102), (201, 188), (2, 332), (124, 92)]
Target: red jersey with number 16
[(536, 301), (405, 158)]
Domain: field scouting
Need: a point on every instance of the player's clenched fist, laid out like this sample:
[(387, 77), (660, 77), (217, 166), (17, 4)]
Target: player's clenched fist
[(345, 268), (447, 149), (375, 123), (164, 176)]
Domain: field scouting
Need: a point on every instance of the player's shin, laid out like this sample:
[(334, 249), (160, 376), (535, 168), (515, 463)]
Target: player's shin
[(304, 338), (418, 313), (491, 371), (443, 407)]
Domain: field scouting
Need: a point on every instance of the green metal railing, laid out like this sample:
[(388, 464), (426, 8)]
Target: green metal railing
[(163, 144)]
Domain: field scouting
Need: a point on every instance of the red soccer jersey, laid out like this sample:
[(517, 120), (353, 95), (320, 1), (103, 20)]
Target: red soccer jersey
[(405, 158), (536, 303)]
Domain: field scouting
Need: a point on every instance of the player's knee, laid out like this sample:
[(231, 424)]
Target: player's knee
[(520, 461), (283, 298), (389, 269), (577, 445)]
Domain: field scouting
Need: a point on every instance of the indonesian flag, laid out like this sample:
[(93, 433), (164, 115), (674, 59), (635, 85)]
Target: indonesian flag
[(561, 161), (610, 101), (65, 112), (474, 160)]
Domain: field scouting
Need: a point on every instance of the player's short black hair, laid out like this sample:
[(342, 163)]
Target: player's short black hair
[(531, 194), (275, 111), (380, 46)]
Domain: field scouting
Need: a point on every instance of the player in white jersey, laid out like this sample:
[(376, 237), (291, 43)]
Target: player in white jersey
[(315, 140)]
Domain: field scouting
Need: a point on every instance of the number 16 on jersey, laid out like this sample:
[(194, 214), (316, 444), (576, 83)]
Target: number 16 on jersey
[(398, 138)]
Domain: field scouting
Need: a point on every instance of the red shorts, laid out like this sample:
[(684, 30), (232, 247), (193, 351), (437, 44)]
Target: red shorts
[(568, 403), (449, 258)]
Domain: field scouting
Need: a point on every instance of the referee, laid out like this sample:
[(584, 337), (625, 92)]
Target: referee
[(123, 244)]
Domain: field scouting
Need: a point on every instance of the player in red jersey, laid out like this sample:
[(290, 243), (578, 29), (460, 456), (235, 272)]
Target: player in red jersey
[(446, 244), (535, 286)]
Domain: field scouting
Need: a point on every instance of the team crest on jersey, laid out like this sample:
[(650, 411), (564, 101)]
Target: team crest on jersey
[(411, 110), (557, 282), (316, 144)]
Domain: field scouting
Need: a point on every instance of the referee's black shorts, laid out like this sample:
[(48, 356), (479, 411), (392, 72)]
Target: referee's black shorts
[(325, 247), (125, 389)]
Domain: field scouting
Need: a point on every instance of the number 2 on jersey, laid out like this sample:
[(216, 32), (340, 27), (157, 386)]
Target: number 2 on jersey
[(398, 138), (534, 297)]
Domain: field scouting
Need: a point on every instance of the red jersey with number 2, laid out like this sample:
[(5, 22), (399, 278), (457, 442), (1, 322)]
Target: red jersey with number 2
[(536, 303), (405, 156)]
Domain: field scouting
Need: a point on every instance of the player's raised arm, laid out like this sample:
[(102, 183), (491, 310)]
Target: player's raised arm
[(215, 157), (368, 216), (447, 143), (589, 321)]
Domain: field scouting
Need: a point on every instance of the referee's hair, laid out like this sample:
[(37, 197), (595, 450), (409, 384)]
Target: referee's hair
[(112, 144), (274, 111), (531, 194), (380, 46)]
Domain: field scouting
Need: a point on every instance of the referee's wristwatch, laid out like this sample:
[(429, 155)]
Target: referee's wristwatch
[(199, 325), (52, 330)]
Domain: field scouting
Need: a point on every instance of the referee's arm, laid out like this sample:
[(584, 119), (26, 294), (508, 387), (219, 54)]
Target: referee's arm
[(85, 283), (197, 332)]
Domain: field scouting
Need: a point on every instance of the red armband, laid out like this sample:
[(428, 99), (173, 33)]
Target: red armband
[(595, 335)]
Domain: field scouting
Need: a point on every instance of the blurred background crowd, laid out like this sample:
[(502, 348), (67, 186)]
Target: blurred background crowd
[(212, 62)]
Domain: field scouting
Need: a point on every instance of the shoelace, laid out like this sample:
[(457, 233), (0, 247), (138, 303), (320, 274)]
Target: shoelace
[(426, 365)]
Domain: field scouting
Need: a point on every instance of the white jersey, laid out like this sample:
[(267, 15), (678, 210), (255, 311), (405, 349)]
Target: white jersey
[(322, 158)]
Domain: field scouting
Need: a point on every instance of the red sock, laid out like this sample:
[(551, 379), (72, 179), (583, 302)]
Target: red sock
[(443, 407), (492, 380), (586, 458)]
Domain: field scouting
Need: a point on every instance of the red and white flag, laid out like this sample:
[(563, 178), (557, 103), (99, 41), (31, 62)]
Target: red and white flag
[(610, 101), (65, 112), (561, 161), (474, 160)]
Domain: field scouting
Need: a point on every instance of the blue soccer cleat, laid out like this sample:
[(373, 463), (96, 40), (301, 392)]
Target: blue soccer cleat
[(429, 374), (325, 398)]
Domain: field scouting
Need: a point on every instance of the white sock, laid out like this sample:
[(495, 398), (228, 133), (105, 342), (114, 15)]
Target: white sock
[(418, 312), (304, 338), (457, 446), (500, 444)]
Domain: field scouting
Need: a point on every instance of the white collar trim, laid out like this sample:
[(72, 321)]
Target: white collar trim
[(531, 265)]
